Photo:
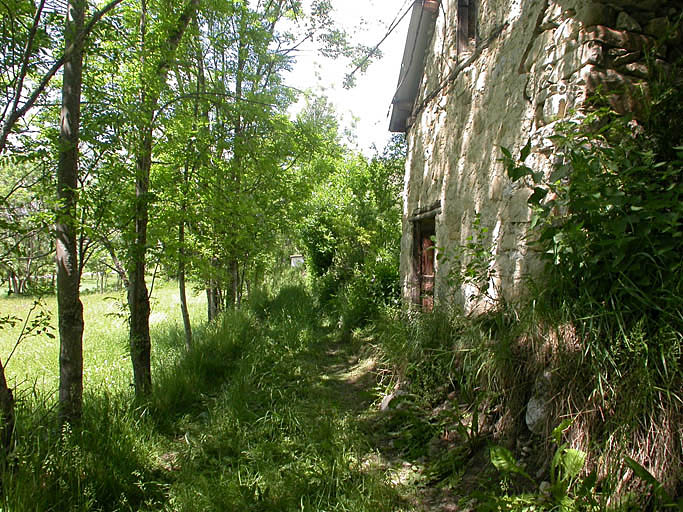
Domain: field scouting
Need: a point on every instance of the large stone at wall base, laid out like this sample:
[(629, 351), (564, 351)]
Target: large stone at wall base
[(536, 412)]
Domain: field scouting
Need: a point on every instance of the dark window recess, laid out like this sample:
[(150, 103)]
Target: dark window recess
[(467, 21), (425, 259)]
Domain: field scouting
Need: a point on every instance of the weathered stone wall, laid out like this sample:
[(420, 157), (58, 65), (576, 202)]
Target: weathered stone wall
[(532, 63)]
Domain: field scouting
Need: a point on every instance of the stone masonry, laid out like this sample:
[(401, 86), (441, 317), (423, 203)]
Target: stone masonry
[(525, 65)]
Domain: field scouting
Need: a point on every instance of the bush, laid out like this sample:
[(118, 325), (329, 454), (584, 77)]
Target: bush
[(610, 218)]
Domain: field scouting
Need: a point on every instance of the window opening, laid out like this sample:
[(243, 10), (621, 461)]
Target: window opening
[(466, 25)]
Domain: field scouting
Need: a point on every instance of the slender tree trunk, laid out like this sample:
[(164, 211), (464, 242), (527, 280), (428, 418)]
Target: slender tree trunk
[(70, 309), (210, 308), (213, 296), (138, 298), (181, 283)]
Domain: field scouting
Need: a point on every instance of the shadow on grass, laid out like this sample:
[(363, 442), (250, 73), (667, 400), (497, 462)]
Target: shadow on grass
[(263, 414)]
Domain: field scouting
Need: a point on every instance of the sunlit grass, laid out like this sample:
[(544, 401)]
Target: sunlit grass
[(258, 415), (35, 362)]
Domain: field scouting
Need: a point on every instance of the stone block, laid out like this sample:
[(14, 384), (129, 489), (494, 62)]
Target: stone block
[(626, 22), (552, 18), (566, 34), (619, 57), (593, 77), (592, 53), (518, 208), (637, 69), (555, 106), (616, 38), (657, 27), (541, 141), (590, 13)]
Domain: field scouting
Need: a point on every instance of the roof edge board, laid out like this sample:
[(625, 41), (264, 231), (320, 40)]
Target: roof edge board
[(420, 32)]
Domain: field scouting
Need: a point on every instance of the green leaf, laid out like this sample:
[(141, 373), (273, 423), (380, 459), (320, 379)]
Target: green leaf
[(505, 462), (557, 431), (560, 173), (516, 173), (503, 459), (587, 484), (572, 462), (525, 151), (538, 196), (641, 472)]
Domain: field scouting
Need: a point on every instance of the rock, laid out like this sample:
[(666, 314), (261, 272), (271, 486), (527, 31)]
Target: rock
[(626, 22), (536, 409), (616, 38), (535, 415), (637, 69), (621, 57), (541, 471), (544, 488), (590, 13), (657, 27), (386, 401)]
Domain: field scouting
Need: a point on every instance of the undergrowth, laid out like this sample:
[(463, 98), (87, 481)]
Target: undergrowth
[(462, 385), (246, 420)]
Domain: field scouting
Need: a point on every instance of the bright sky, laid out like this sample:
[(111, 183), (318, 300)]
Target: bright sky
[(364, 108)]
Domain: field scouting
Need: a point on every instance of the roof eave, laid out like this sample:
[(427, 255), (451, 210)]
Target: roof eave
[(420, 31)]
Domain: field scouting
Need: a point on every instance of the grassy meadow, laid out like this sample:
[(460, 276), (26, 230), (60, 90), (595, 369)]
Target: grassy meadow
[(35, 362)]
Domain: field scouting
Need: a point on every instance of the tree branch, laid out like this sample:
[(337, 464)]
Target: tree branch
[(17, 114)]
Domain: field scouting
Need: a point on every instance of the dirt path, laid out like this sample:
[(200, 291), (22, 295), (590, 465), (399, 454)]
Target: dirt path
[(353, 383)]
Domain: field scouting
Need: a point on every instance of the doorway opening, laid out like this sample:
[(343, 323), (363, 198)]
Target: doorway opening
[(425, 261)]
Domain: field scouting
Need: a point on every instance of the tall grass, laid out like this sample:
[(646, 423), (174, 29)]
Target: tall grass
[(469, 379), (249, 419)]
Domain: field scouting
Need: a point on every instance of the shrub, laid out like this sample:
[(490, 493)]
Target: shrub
[(609, 219)]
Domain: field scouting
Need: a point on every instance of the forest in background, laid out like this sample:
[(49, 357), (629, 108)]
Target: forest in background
[(147, 146)]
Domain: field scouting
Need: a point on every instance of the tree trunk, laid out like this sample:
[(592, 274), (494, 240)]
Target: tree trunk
[(181, 285), (6, 413), (70, 309), (209, 303), (213, 301), (138, 298)]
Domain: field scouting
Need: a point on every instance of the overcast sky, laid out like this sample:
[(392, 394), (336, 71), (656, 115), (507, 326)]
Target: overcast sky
[(364, 108)]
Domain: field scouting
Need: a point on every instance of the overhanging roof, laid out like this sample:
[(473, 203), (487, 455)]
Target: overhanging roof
[(420, 32)]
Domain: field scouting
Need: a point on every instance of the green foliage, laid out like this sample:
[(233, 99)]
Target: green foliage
[(463, 376), (504, 461), (25, 224), (105, 461), (567, 492), (609, 218), (660, 499), (249, 419), (470, 265), (351, 234)]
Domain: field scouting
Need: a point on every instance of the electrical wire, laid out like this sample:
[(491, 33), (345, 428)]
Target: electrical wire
[(412, 52), (392, 27)]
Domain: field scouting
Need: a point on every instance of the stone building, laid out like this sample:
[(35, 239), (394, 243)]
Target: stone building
[(480, 74)]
